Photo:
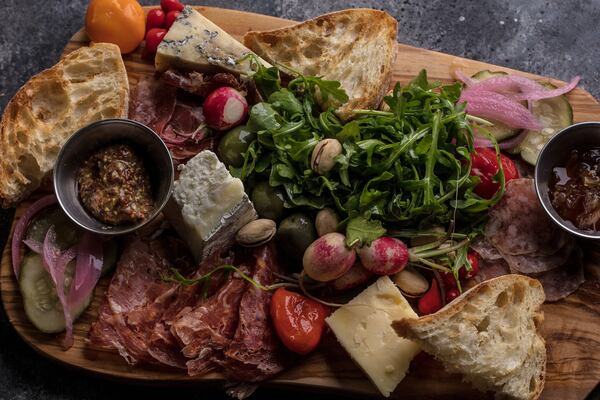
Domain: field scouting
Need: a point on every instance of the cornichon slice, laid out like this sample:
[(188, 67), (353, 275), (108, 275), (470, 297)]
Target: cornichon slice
[(554, 114), (40, 299)]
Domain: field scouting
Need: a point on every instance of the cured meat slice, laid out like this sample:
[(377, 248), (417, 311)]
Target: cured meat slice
[(255, 352), (207, 329), (199, 84), (136, 300), (152, 103), (518, 225), (485, 249), (489, 269), (561, 282), (533, 264)]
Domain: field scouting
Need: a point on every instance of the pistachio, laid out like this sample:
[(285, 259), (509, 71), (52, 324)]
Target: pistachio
[(326, 222), (324, 154), (411, 282), (257, 232)]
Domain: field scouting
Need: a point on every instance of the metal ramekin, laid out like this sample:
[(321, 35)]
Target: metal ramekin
[(95, 136), (556, 153)]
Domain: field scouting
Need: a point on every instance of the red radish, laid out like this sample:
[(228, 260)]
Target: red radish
[(384, 256), (328, 258), (474, 260), (451, 295), (171, 5), (153, 39), (431, 301), (356, 275), (171, 17), (225, 108), (155, 19)]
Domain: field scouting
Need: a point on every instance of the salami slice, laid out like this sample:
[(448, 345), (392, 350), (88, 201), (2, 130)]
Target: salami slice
[(533, 264), (518, 225), (489, 269), (485, 249), (558, 283)]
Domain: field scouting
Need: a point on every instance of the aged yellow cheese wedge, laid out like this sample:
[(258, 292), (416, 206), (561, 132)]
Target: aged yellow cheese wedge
[(363, 328)]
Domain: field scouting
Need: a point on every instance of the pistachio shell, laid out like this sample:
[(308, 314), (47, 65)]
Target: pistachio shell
[(256, 233), (411, 282), (324, 154)]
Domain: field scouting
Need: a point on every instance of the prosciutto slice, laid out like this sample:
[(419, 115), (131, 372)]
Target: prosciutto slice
[(137, 299), (152, 103), (255, 352)]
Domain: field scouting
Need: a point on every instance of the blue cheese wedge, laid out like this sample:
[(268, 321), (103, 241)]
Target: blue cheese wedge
[(208, 205), (195, 43), (363, 328)]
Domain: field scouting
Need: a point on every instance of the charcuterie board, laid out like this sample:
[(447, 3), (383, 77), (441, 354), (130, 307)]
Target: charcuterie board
[(570, 326)]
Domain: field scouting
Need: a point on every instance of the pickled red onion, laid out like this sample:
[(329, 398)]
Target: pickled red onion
[(21, 227), (495, 106), (504, 145), (87, 269)]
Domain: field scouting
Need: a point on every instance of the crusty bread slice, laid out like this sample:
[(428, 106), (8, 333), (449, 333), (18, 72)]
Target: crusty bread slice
[(87, 85), (489, 335), (356, 47)]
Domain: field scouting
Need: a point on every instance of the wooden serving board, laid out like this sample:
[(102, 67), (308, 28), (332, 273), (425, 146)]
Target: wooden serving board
[(571, 327)]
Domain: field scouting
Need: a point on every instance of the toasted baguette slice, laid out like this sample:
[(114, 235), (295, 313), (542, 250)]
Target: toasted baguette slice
[(489, 335), (87, 85), (355, 47)]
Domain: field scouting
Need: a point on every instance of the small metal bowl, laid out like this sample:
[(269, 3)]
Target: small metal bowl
[(85, 142), (555, 154)]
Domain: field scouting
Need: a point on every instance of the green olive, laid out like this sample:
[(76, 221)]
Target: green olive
[(268, 201), (294, 235), (233, 144)]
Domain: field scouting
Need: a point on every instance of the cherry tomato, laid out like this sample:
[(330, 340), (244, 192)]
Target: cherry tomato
[(431, 300), (155, 19), (153, 38), (171, 5), (451, 295), (298, 320), (485, 166), (448, 280), (171, 17), (474, 260)]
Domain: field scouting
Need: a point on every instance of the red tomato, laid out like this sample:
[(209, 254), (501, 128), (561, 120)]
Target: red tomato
[(299, 321), (153, 39), (431, 300), (171, 17), (474, 260), (485, 166), (155, 19), (451, 295), (171, 5)]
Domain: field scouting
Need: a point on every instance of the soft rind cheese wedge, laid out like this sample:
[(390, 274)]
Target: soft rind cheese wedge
[(363, 328), (208, 205), (194, 43)]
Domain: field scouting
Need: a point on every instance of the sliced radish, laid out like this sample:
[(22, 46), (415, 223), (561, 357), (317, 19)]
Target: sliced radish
[(225, 108)]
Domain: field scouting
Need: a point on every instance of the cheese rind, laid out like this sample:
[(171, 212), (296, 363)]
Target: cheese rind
[(208, 205), (195, 43), (363, 328)]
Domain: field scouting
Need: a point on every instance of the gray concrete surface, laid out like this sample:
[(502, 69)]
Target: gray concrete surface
[(553, 38)]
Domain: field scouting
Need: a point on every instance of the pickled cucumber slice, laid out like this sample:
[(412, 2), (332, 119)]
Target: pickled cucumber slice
[(554, 114), (499, 130), (40, 299)]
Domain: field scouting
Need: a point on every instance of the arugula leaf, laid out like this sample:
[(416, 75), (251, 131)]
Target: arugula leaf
[(267, 80), (262, 117), (362, 231), (284, 100)]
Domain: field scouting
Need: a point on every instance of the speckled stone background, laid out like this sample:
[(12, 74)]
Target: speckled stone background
[(553, 38)]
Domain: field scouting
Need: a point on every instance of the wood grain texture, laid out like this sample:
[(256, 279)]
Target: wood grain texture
[(571, 327)]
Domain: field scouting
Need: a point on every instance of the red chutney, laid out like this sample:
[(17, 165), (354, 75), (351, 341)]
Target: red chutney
[(575, 189), (114, 186)]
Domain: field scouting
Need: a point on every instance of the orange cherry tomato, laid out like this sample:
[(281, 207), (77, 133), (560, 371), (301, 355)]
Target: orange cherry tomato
[(298, 320), (121, 22)]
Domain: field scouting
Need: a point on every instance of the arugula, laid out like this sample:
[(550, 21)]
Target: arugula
[(407, 168)]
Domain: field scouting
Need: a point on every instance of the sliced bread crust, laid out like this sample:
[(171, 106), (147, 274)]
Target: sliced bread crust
[(356, 47), (87, 85), (489, 334)]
